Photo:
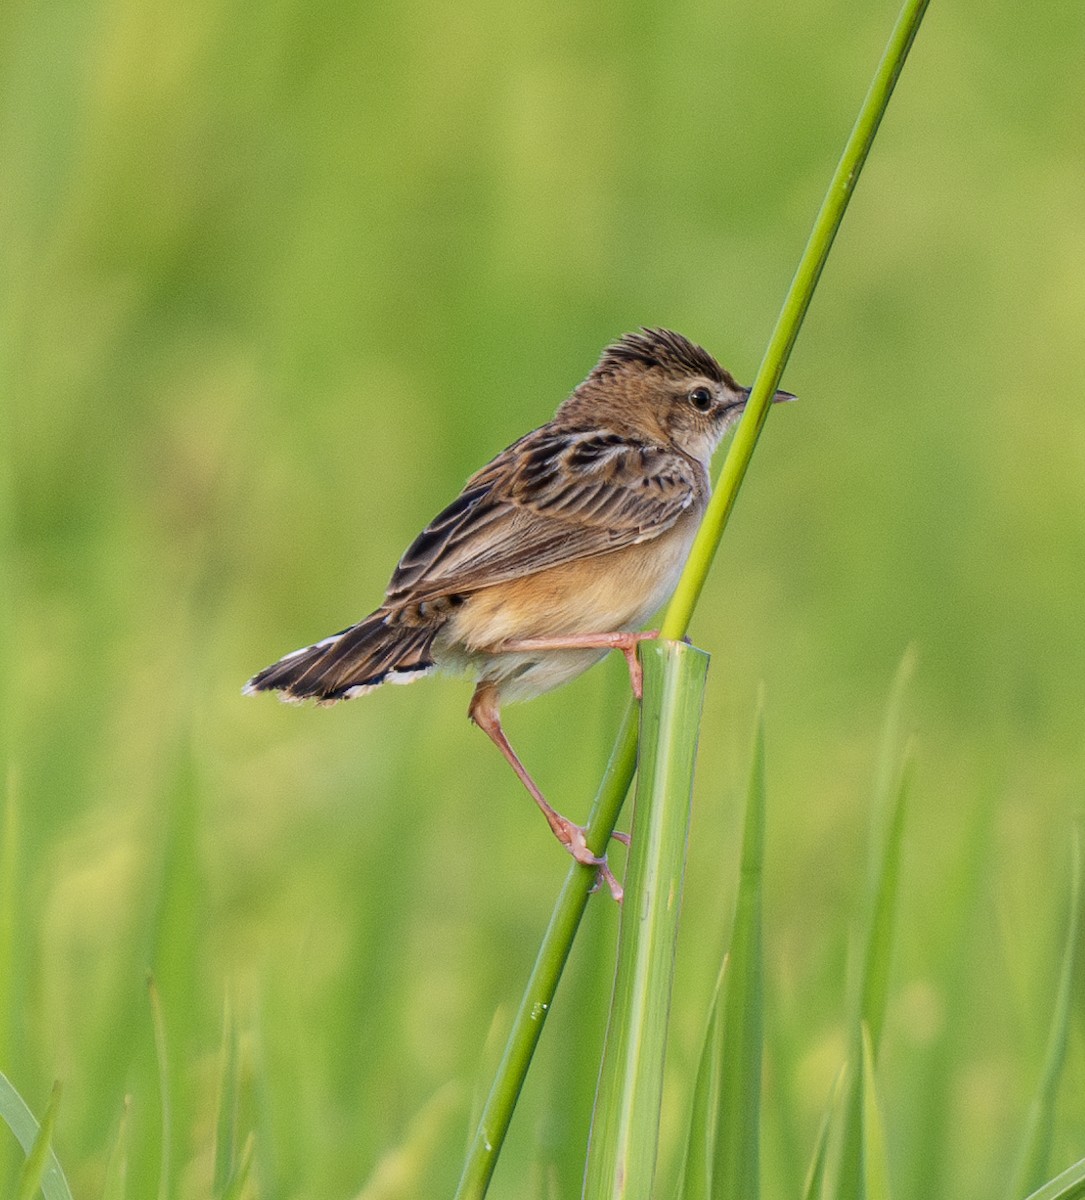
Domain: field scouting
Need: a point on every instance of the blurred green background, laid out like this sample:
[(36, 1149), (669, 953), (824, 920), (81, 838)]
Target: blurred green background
[(276, 278)]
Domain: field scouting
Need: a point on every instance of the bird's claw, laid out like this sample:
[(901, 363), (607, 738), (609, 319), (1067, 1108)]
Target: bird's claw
[(578, 848)]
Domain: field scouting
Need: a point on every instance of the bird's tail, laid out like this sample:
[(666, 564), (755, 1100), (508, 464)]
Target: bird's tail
[(351, 663)]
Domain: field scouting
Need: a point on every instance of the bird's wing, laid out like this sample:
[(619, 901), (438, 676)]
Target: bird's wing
[(551, 498)]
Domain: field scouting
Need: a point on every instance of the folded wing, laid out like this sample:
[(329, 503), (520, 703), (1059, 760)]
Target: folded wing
[(551, 498)]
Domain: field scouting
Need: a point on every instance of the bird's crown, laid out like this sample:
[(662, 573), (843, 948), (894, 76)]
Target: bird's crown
[(662, 348)]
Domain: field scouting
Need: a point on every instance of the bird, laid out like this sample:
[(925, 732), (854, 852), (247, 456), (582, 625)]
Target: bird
[(553, 554)]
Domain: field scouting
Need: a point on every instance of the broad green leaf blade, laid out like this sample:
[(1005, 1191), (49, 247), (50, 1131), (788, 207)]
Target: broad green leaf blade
[(1036, 1143), (20, 1120), (701, 1143), (736, 1170), (875, 1157), (1070, 1185), (625, 1126)]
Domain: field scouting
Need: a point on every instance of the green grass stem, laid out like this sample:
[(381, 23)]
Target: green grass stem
[(796, 303), (625, 1126)]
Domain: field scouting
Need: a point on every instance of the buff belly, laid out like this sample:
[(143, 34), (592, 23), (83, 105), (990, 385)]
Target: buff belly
[(609, 593)]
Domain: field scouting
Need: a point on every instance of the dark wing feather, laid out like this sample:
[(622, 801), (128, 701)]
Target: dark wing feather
[(553, 497)]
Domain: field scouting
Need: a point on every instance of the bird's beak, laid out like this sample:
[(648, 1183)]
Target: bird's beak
[(778, 398)]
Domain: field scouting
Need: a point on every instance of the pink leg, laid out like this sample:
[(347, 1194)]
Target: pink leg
[(627, 643), (484, 713)]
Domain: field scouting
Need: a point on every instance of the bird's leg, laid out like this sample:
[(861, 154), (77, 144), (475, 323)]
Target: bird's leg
[(627, 643), (484, 713)]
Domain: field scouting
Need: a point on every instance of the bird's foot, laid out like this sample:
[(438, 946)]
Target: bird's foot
[(578, 848)]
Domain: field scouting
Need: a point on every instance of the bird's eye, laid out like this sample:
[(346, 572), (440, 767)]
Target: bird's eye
[(701, 399)]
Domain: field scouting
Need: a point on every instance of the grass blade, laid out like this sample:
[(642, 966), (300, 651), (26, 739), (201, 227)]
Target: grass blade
[(115, 1186), (1036, 1144), (162, 1058), (882, 901), (887, 831), (625, 1127), (226, 1124), (815, 1175), (30, 1177), (400, 1174), (20, 1120), (1070, 1185), (40, 1157), (701, 1144), (875, 1158), (236, 1188), (736, 1171), (9, 897), (843, 1173)]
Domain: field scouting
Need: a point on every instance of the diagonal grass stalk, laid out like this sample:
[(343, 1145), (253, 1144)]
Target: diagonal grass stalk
[(796, 303), (493, 1126)]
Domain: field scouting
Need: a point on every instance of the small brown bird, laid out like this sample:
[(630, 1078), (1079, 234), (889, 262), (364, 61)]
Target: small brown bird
[(552, 555)]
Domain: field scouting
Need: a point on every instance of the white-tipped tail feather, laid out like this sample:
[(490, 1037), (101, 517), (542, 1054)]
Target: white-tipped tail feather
[(349, 664)]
